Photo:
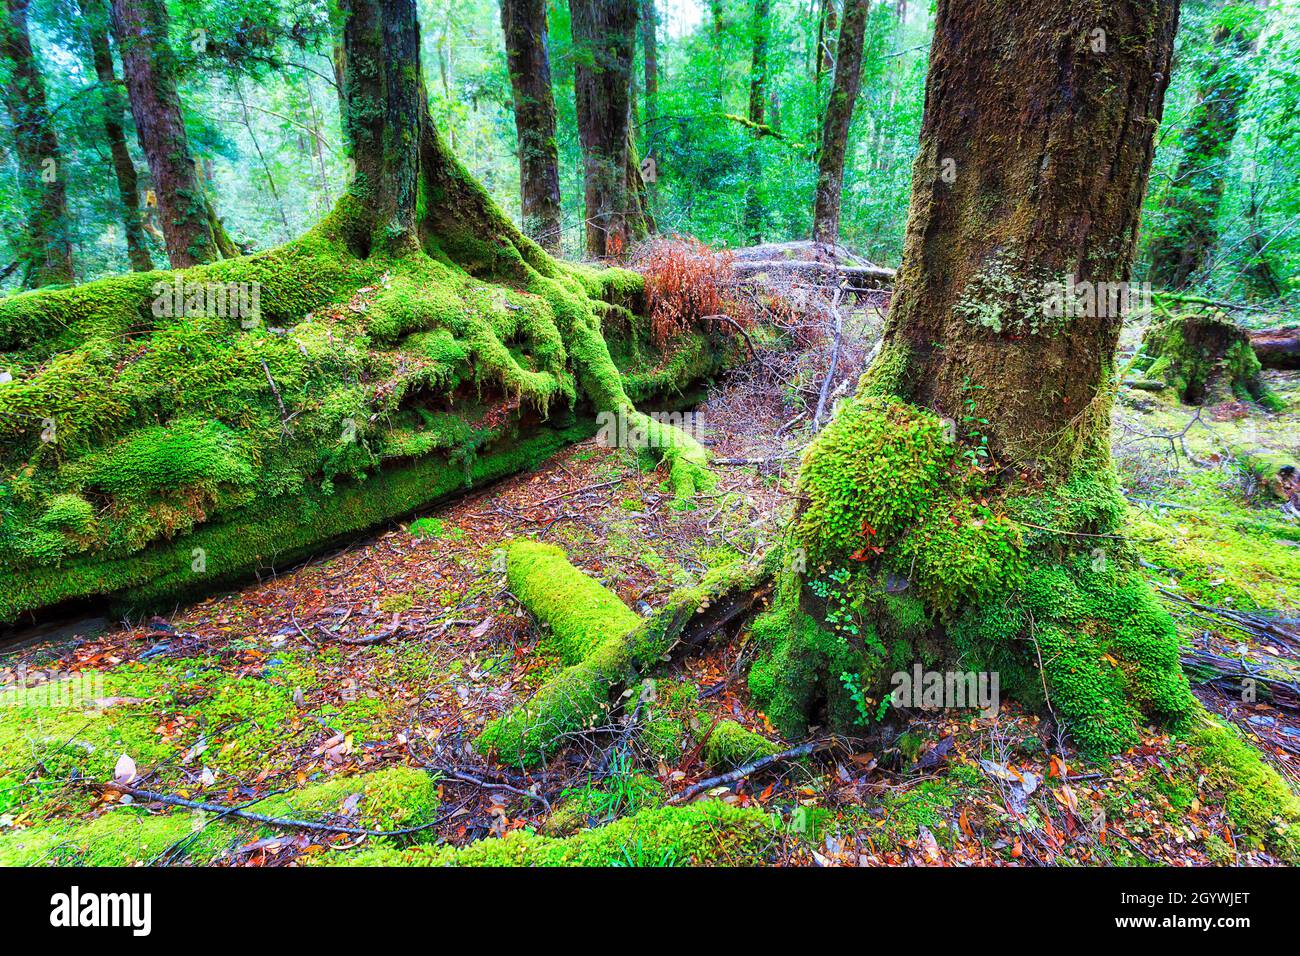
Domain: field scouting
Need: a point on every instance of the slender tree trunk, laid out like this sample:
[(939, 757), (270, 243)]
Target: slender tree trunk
[(45, 251), (261, 156), (754, 213), (149, 64), (835, 125), (1191, 202), (1032, 168), (114, 106), (524, 23), (827, 21), (603, 36), (650, 48)]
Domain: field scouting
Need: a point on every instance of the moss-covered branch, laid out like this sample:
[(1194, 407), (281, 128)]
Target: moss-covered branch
[(605, 645)]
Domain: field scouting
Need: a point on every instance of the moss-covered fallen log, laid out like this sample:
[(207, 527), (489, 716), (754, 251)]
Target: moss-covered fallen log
[(704, 833), (166, 433), (605, 646)]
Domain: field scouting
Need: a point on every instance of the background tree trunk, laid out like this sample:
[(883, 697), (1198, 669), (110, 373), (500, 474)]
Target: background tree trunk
[(1191, 202), (603, 37), (524, 24), (1035, 152), (128, 188), (754, 213), (45, 252), (149, 64), (835, 125)]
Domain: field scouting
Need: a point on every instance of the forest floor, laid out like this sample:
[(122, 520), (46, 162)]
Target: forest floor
[(399, 648)]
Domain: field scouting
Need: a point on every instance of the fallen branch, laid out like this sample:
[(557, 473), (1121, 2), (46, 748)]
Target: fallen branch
[(740, 773), (835, 359), (1277, 348), (1210, 668), (830, 273), (172, 800)]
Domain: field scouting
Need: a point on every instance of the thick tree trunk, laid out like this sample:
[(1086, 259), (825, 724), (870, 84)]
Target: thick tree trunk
[(128, 190), (757, 103), (524, 24), (1033, 163), (1190, 203), (604, 35), (45, 251), (149, 64), (835, 125), (961, 509)]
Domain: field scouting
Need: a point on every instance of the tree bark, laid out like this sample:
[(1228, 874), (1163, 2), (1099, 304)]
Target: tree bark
[(753, 216), (45, 251), (1033, 162), (1190, 204), (835, 125), (128, 189), (150, 66), (650, 49), (524, 24), (603, 36)]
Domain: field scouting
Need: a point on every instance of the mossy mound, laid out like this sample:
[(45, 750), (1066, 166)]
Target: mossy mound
[(1260, 803), (729, 745), (395, 798), (699, 834), (124, 836), (359, 388), (1205, 358)]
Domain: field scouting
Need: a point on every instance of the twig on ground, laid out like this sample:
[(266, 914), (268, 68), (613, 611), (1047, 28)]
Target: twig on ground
[(754, 766)]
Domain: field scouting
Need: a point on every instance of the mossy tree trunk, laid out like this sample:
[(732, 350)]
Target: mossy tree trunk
[(524, 25), (96, 15), (962, 510), (604, 35), (141, 27), (45, 252), (1033, 163), (1190, 203), (835, 123)]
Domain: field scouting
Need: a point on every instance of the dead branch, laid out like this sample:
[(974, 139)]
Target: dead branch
[(171, 800), (754, 766)]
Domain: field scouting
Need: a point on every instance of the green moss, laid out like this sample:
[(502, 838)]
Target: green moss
[(699, 834), (1258, 801), (729, 745), (277, 431), (395, 798), (577, 698), (123, 836), (580, 612)]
